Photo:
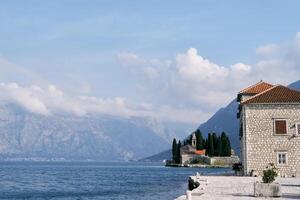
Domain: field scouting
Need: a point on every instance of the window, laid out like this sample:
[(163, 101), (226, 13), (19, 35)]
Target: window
[(280, 126), (298, 129), (281, 158)]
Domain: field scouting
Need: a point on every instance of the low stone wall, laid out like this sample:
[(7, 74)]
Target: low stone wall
[(224, 160)]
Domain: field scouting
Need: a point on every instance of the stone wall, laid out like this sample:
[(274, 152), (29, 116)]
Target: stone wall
[(259, 142), (228, 161), (186, 158), (224, 160)]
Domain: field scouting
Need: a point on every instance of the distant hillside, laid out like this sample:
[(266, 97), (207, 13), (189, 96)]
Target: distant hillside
[(165, 155), (295, 85), (225, 120), (30, 136)]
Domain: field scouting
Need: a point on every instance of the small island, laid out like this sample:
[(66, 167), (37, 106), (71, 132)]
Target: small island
[(197, 151)]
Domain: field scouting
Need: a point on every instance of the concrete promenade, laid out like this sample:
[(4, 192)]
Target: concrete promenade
[(238, 188)]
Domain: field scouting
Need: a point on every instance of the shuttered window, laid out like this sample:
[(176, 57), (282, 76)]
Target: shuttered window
[(280, 126), (298, 129)]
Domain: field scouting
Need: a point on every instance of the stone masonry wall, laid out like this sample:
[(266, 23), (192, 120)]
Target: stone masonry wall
[(224, 160), (262, 144)]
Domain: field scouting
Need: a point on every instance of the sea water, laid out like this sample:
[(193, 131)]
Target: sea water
[(92, 180)]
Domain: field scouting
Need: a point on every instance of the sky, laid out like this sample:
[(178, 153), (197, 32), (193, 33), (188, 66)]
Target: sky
[(177, 61)]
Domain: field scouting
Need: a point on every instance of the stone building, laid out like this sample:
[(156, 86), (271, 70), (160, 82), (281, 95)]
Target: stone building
[(189, 153), (270, 128)]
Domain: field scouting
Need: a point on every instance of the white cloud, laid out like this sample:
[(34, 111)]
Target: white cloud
[(24, 97), (191, 81), (267, 50), (240, 68), (192, 66), (48, 101), (128, 58), (186, 88)]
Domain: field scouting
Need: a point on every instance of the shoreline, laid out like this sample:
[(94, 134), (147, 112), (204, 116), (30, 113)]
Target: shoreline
[(219, 187), (198, 166)]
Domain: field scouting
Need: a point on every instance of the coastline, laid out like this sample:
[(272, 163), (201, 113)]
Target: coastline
[(219, 187), (197, 165)]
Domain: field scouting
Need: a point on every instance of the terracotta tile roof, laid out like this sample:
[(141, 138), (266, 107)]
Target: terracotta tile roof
[(276, 94), (200, 152), (257, 88)]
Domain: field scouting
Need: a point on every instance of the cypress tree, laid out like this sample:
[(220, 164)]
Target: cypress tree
[(219, 146), (206, 146), (226, 147), (215, 143), (190, 139), (200, 142), (210, 147), (178, 152), (174, 149)]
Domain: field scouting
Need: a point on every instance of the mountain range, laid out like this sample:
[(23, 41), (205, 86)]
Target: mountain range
[(28, 136)]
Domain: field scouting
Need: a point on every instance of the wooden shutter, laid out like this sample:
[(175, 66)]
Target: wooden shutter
[(280, 127)]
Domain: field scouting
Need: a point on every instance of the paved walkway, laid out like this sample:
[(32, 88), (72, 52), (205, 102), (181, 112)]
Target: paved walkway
[(240, 188)]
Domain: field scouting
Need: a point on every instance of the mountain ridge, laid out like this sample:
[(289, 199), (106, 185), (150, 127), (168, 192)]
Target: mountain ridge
[(25, 135)]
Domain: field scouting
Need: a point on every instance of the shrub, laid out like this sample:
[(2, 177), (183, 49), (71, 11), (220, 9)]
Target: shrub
[(269, 174), (237, 167), (197, 161)]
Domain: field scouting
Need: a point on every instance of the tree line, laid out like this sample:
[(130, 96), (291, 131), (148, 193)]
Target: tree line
[(215, 145)]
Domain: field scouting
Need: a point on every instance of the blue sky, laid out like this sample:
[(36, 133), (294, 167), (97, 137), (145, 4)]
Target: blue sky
[(104, 49)]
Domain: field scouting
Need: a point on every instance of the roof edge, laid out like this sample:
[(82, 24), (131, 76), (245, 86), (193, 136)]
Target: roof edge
[(252, 86), (275, 86)]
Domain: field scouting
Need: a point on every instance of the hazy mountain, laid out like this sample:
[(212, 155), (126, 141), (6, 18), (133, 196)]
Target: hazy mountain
[(225, 120), (165, 155), (295, 85), (27, 135)]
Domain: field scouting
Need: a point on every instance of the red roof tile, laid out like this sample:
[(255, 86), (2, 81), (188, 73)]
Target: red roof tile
[(257, 88), (276, 94)]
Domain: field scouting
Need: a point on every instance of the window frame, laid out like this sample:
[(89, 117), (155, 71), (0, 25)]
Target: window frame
[(296, 127), (286, 126), (286, 158)]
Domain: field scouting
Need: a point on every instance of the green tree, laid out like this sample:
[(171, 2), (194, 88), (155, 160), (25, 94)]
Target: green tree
[(219, 146), (228, 149), (190, 139), (226, 146), (215, 142), (200, 142), (210, 145), (178, 152), (174, 149), (206, 146)]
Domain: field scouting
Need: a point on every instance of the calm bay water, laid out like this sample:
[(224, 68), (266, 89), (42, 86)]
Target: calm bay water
[(79, 180)]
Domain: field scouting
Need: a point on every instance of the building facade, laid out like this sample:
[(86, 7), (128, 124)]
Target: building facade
[(270, 129)]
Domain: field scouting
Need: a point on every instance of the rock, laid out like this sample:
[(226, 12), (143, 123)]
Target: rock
[(267, 190)]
